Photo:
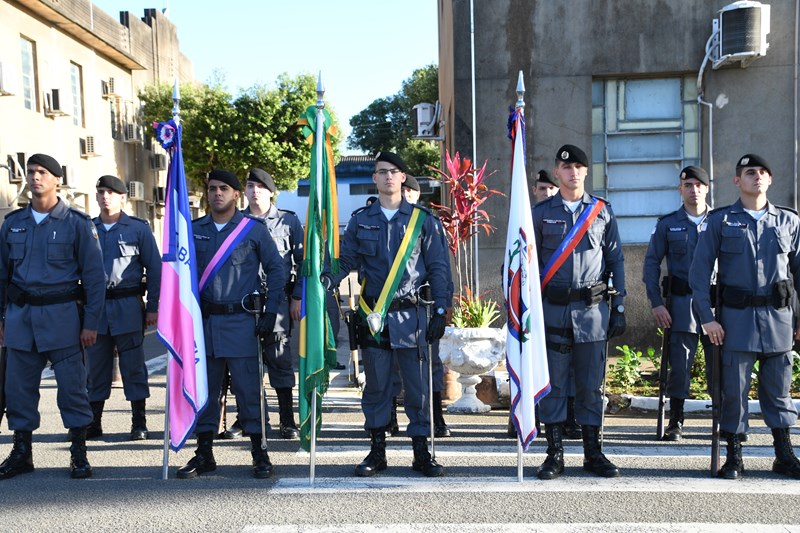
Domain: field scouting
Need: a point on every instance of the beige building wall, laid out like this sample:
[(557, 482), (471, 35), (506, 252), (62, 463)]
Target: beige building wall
[(116, 60)]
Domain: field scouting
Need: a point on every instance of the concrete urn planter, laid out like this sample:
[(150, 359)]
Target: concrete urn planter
[(471, 352)]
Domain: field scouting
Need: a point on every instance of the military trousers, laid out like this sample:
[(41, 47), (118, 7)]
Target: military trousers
[(774, 387), (438, 373), (379, 387), (245, 381), (24, 376), (588, 360), (100, 359), (279, 362), (682, 351)]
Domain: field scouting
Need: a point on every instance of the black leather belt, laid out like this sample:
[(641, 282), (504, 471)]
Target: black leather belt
[(116, 293), (402, 303), (558, 347), (563, 295), (20, 297), (209, 308)]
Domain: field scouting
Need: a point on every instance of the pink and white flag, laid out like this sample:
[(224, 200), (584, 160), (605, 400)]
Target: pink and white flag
[(526, 353)]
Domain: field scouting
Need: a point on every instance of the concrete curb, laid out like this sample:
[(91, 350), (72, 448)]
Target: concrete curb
[(690, 406)]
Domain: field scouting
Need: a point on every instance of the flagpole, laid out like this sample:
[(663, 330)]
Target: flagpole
[(176, 116), (320, 133), (520, 107)]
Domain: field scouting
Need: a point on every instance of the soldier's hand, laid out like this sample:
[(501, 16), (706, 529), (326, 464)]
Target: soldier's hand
[(435, 328), (715, 332), (151, 319), (266, 325), (88, 337), (662, 316), (616, 324), (295, 306)]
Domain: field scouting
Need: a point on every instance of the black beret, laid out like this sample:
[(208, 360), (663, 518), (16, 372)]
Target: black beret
[(48, 162), (544, 176), (225, 176), (411, 182), (113, 183), (392, 158), (572, 154), (695, 172), (262, 177), (753, 160)]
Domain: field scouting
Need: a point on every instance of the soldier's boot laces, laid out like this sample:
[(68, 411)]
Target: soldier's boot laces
[(95, 427), (674, 430), (572, 430), (262, 467), (203, 460), (139, 420), (79, 467), (593, 459), (785, 461), (440, 428), (734, 466), (375, 461), (553, 465), (20, 460), (288, 428), (423, 462)]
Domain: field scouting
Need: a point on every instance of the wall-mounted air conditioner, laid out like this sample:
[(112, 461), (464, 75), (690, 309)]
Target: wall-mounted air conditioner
[(158, 162), (108, 88), (130, 133), (159, 194), (741, 29), (136, 190), (194, 202), (53, 103), (87, 147)]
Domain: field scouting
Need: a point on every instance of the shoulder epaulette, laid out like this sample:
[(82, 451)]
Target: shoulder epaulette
[(81, 213), (668, 215), (601, 198), (719, 209), (423, 208), (257, 219), (784, 208), (143, 221), (15, 211), (287, 211), (357, 211)]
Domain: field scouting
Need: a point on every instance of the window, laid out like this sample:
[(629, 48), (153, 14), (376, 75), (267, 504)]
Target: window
[(76, 84), (29, 86), (643, 133), (363, 189)]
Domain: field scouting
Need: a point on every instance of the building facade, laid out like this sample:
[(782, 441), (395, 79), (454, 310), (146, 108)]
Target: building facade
[(69, 79), (621, 79)]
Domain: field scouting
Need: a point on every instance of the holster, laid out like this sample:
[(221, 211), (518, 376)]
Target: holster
[(354, 330)]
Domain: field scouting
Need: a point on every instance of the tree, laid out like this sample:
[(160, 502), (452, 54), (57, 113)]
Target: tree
[(258, 128), (388, 123)]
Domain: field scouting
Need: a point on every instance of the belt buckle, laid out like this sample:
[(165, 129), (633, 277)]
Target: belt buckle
[(229, 309)]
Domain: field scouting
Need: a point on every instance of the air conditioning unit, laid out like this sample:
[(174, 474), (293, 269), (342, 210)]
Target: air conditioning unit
[(108, 88), (194, 202), (158, 162), (52, 104), (159, 194), (136, 190), (8, 81), (87, 147), (741, 29), (130, 133)]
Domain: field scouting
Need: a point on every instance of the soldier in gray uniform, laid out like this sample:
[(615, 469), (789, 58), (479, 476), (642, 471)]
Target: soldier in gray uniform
[(756, 245), (578, 319), (129, 251), (286, 230), (230, 331), (46, 250), (371, 242), (675, 237)]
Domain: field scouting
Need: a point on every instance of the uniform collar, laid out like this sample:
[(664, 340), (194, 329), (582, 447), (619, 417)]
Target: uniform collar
[(237, 217), (59, 211), (737, 207), (123, 220)]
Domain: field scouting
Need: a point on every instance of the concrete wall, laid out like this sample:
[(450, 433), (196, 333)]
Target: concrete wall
[(562, 46)]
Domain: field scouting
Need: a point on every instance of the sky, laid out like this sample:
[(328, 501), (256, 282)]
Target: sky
[(365, 49)]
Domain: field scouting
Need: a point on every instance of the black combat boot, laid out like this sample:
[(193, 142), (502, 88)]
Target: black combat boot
[(262, 468), (203, 460), (393, 429), (553, 465), (288, 427), (734, 466), (235, 431), (440, 428), (376, 460), (95, 427), (675, 428), (423, 462), (572, 430), (20, 460), (785, 460), (79, 467), (138, 420), (593, 458)]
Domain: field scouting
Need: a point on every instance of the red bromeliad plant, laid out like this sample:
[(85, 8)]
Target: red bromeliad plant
[(464, 217)]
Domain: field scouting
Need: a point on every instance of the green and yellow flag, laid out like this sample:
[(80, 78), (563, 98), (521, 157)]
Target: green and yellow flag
[(317, 344)]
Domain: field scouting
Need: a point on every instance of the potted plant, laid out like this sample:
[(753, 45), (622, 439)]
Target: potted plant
[(471, 347)]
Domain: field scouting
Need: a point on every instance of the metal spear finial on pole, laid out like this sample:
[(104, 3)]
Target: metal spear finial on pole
[(176, 103), (520, 92)]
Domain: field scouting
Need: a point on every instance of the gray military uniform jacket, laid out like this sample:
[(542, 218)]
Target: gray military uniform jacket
[(598, 252), (370, 245), (233, 335), (50, 258), (129, 249), (752, 256), (286, 230), (674, 237)]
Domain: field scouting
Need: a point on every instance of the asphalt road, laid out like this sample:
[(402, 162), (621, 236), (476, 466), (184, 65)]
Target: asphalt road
[(665, 487)]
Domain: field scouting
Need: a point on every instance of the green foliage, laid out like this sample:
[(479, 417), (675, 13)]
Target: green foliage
[(388, 123), (474, 312), (256, 128), (625, 372)]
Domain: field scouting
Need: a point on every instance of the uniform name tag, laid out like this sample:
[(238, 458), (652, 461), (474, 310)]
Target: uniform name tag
[(677, 229), (551, 221), (18, 230), (202, 237), (735, 224), (367, 226)]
